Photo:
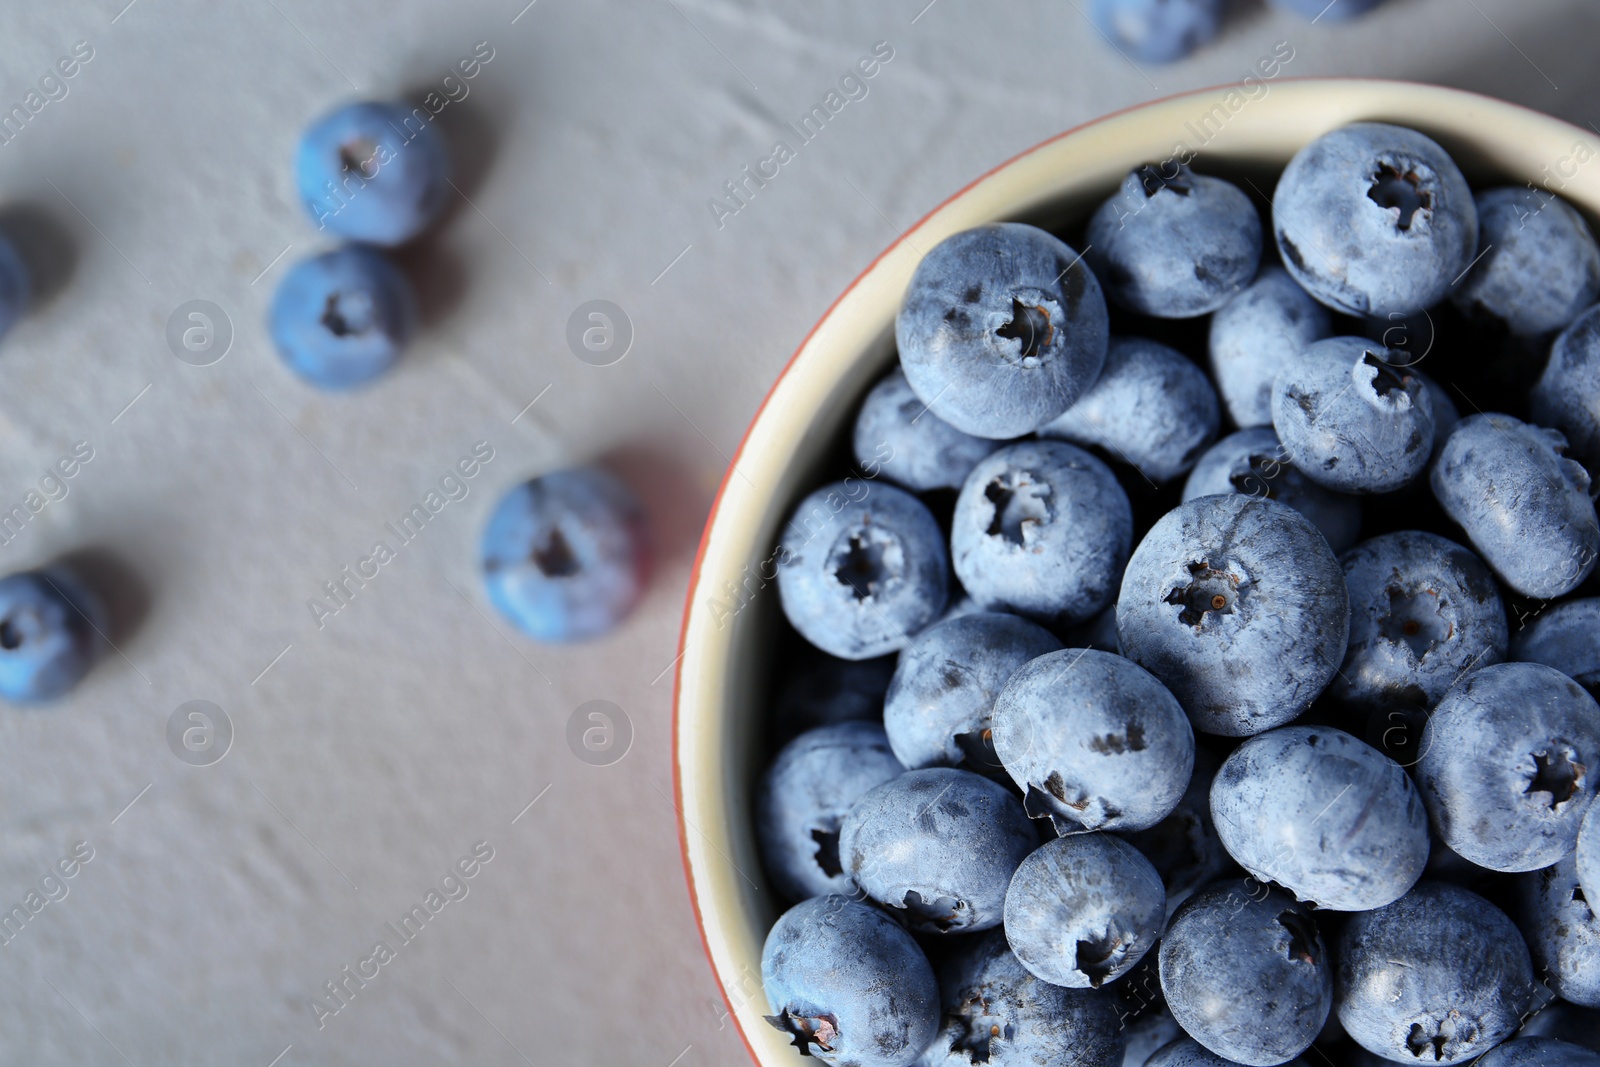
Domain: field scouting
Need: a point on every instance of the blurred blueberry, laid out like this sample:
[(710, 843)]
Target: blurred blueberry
[(1254, 335), (1042, 528), (1245, 972), (373, 172), (1239, 607), (1174, 244), (50, 625), (1440, 975), (899, 437), (1350, 421), (803, 797), (1373, 219), (1562, 931), (861, 568), (16, 285), (1334, 821), (818, 689), (1539, 1052), (938, 709), (564, 554), (1187, 1052), (1184, 847), (996, 1012), (1152, 408), (342, 318), (1001, 329), (1327, 10), (937, 845), (1567, 396), (1538, 265), (1157, 31), (1505, 767), (1423, 612), (1082, 910), (1254, 463), (1524, 506), (848, 985), (1094, 742)]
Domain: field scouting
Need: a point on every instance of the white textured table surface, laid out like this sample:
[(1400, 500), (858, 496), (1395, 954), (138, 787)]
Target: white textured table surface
[(372, 753)]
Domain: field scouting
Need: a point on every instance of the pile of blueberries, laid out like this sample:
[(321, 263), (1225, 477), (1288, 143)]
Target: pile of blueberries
[(1112, 743), (1164, 31)]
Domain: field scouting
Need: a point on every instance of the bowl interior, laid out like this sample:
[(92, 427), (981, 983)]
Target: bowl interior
[(797, 440)]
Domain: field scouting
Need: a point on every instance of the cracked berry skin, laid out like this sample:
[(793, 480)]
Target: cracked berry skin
[(1565, 636), (1331, 819), (1326, 10), (1374, 219), (1586, 858), (372, 172), (938, 711), (1540, 1052), (996, 1012), (1042, 529), (1093, 741), (861, 568), (342, 318), (1438, 977), (1152, 408), (804, 796), (1174, 244), (1567, 395), (1351, 421), (1562, 931), (848, 985), (1237, 605), (1083, 910), (1245, 972), (564, 555), (1184, 847), (1508, 765), (1539, 266), (1157, 31), (1254, 335), (938, 847), (48, 634), (1001, 329), (1423, 612), (1255, 463), (898, 437), (1523, 505)]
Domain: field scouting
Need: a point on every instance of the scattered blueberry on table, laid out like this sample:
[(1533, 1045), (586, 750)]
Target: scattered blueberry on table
[(375, 172), (50, 633), (342, 318)]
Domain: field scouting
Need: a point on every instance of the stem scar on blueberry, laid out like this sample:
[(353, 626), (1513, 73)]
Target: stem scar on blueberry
[(347, 313), (1209, 591), (10, 634), (1302, 944), (555, 558), (355, 155), (1029, 324), (1098, 957), (867, 562), (1152, 180), (805, 1031), (1385, 379), (1402, 190), (1020, 501), (1556, 774)]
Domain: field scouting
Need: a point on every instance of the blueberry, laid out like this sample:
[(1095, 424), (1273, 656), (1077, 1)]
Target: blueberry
[(1254, 335), (373, 172), (1245, 972), (1327, 10), (16, 285), (1352, 421), (818, 689), (1239, 607), (804, 796), (1254, 463), (50, 626), (938, 709), (996, 1012), (1423, 612), (1001, 329), (342, 318), (861, 568), (1152, 408), (1564, 636), (1564, 1022), (1174, 245), (1094, 742), (1187, 1052), (1374, 219), (1562, 931), (897, 436), (848, 985), (1505, 765), (1146, 1035), (1184, 847), (1157, 31), (1567, 395), (1041, 528), (939, 846), (1538, 264), (564, 554), (1440, 975), (1082, 910), (1524, 506), (1586, 857), (1334, 821), (1539, 1052)]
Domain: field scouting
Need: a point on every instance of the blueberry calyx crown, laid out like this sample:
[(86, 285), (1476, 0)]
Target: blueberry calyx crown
[(805, 1031), (1031, 325), (1209, 591), (1399, 189), (1555, 773)]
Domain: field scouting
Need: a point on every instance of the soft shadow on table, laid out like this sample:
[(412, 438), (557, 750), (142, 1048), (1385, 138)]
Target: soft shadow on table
[(126, 596), (45, 245), (675, 502)]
